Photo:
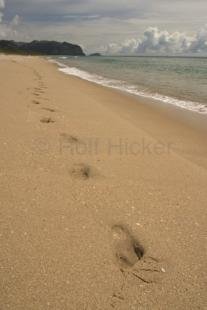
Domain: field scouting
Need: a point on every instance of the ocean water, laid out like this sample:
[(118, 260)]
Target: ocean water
[(178, 81)]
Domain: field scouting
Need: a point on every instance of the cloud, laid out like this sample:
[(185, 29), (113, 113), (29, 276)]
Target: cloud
[(2, 6), (95, 23), (15, 21), (200, 42), (8, 29), (60, 8), (155, 41), (187, 11)]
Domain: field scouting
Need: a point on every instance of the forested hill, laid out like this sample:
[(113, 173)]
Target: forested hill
[(40, 48)]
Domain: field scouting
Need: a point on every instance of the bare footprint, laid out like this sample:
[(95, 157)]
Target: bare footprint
[(49, 109), (36, 94), (132, 258), (35, 102), (128, 250), (39, 90), (42, 86), (47, 120), (83, 171), (69, 138)]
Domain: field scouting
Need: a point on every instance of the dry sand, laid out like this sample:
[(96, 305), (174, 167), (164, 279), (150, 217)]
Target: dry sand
[(103, 199)]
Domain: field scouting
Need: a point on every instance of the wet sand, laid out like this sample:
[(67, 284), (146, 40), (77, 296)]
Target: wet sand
[(103, 198)]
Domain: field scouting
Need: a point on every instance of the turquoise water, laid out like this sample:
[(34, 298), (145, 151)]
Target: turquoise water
[(178, 81)]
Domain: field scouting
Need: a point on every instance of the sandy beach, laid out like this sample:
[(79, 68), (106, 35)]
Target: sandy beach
[(103, 198)]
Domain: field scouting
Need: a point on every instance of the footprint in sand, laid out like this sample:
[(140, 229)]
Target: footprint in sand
[(49, 110), (47, 120), (36, 94), (131, 256), (128, 250), (37, 74), (72, 143), (69, 138), (35, 102), (39, 91), (83, 171)]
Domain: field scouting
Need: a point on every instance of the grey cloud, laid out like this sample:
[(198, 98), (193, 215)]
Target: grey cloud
[(36, 10)]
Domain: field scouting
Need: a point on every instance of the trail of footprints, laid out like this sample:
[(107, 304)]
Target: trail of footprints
[(39, 90), (79, 171), (129, 253)]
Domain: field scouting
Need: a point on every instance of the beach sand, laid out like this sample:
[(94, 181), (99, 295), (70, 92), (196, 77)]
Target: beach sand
[(103, 198)]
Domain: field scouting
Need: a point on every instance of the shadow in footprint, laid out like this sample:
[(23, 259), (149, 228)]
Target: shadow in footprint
[(47, 120), (83, 172)]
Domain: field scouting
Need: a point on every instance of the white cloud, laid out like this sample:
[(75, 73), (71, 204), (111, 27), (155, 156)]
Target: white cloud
[(155, 41), (8, 30), (2, 6), (15, 21)]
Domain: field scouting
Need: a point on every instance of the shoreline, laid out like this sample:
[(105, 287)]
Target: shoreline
[(185, 115), (186, 119), (103, 197), (130, 89)]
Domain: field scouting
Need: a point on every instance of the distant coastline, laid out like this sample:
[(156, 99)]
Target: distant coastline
[(40, 48)]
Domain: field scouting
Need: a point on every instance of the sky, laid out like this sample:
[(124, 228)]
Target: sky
[(126, 27)]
